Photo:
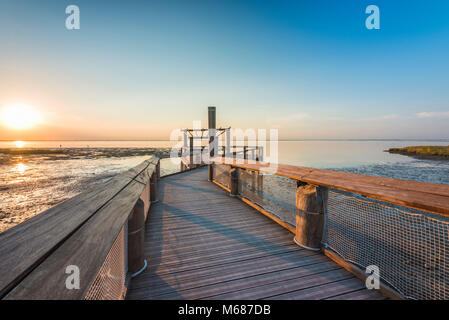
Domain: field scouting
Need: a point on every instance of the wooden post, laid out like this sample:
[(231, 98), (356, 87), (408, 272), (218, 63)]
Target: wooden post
[(136, 228), (234, 183), (212, 142), (260, 183), (260, 153), (245, 152), (228, 143), (254, 175), (153, 186), (310, 206), (191, 154), (184, 141)]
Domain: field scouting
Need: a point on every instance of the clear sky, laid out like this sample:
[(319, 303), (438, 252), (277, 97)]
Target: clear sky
[(138, 69)]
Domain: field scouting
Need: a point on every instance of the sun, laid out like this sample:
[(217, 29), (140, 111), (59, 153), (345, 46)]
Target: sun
[(19, 116)]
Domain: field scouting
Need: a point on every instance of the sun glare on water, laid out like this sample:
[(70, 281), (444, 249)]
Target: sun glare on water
[(19, 144), (19, 116), (20, 167)]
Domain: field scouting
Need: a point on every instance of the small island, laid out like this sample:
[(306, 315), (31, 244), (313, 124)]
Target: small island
[(424, 152)]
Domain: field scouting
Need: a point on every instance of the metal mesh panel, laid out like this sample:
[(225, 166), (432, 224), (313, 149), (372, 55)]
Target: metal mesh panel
[(109, 283), (222, 174), (275, 194), (409, 246)]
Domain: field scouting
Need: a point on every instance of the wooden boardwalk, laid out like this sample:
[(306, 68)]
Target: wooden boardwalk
[(202, 244)]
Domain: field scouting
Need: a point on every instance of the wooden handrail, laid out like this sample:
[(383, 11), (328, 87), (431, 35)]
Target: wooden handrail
[(79, 231), (418, 195)]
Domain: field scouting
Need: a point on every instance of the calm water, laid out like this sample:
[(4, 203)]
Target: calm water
[(52, 171)]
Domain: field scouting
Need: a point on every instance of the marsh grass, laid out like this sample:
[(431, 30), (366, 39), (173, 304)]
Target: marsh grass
[(20, 151), (431, 151)]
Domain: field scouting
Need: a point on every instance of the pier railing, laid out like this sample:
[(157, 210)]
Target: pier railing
[(192, 157), (392, 229), (84, 248)]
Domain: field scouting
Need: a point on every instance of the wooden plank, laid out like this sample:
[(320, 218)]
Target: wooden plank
[(221, 251), (195, 259), (179, 243), (26, 246), (438, 189), (419, 195), (224, 272), (192, 242), (361, 294), (185, 268), (339, 285), (206, 226), (227, 284), (280, 288), (252, 231)]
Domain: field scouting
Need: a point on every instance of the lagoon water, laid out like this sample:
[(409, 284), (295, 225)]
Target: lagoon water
[(48, 172)]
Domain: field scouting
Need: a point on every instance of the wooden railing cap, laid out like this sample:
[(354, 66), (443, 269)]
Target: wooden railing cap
[(425, 196)]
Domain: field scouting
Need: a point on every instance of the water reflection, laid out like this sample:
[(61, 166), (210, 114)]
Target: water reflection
[(20, 167)]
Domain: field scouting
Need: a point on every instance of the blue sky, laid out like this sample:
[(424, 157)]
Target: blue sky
[(138, 69)]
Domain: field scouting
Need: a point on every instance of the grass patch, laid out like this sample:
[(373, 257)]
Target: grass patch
[(432, 151), (19, 151)]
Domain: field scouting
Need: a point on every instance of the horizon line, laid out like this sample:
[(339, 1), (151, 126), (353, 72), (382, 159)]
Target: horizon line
[(299, 139)]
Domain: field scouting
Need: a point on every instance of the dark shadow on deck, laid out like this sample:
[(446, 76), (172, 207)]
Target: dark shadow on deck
[(202, 244)]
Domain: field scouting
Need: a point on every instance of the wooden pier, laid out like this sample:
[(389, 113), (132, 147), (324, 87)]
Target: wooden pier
[(203, 244), (239, 228)]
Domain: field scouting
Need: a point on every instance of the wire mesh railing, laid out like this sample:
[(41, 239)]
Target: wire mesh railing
[(408, 245), (110, 282), (274, 194), (222, 175)]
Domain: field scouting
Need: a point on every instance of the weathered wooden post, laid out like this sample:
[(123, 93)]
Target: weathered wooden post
[(310, 205), (234, 181), (191, 153), (184, 149), (259, 183), (212, 127), (259, 153), (228, 143), (153, 185), (136, 234), (245, 152)]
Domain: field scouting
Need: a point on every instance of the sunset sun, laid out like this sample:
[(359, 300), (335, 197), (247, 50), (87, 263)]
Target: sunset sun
[(19, 116)]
